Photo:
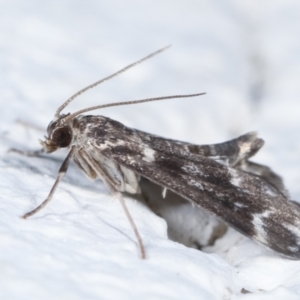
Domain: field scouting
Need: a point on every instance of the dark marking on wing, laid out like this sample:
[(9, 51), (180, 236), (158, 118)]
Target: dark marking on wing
[(123, 151), (169, 163), (212, 186), (97, 132), (273, 227)]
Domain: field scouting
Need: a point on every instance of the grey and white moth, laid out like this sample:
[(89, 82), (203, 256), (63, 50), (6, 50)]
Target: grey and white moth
[(220, 178)]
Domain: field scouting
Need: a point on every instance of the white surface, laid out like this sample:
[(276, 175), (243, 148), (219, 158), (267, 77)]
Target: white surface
[(244, 54)]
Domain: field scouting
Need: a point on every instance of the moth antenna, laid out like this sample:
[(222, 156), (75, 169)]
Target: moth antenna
[(71, 116), (108, 78)]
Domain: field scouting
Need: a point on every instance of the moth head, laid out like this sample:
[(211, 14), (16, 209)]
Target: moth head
[(60, 135)]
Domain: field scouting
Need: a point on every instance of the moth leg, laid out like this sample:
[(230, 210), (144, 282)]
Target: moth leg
[(119, 196), (61, 173), (24, 152), (116, 194), (27, 153)]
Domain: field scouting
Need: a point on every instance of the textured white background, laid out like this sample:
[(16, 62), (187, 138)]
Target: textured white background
[(244, 54)]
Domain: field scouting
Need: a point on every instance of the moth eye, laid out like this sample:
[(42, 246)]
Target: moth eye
[(62, 137)]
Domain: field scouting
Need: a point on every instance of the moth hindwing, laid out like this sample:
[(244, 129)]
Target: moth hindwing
[(220, 178)]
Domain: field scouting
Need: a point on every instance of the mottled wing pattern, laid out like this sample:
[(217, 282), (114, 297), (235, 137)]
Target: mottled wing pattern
[(228, 153), (234, 153), (244, 201), (250, 203), (265, 173)]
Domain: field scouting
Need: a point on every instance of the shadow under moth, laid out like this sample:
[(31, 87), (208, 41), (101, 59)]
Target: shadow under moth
[(220, 178)]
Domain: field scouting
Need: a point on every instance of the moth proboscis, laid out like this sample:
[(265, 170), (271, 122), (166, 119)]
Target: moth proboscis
[(220, 178)]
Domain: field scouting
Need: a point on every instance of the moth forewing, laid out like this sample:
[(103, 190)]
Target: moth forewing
[(246, 202)]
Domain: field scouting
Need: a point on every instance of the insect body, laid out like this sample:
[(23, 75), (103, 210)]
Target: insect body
[(220, 178)]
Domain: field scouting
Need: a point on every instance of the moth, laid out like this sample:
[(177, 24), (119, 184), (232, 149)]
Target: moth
[(220, 178)]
